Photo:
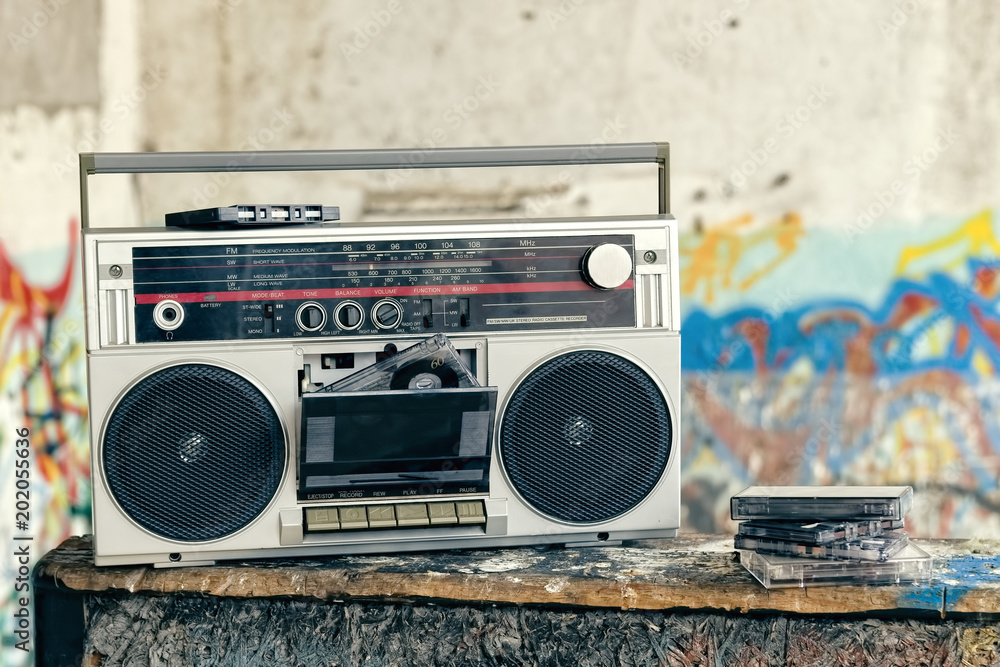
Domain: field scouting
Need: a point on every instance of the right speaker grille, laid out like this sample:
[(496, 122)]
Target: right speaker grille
[(586, 436)]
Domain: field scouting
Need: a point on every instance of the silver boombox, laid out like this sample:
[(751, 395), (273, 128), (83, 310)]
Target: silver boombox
[(519, 381)]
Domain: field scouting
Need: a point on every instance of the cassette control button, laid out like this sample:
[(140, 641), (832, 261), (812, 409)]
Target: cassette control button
[(470, 511), (442, 514), (353, 517), (412, 515), (381, 516), (325, 518)]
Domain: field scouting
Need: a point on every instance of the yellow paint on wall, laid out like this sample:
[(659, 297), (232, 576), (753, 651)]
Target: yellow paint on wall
[(976, 233), (711, 260)]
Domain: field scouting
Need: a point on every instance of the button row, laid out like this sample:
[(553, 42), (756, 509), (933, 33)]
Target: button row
[(408, 515)]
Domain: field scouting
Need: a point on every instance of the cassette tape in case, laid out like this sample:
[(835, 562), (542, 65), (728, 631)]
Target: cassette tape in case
[(866, 548), (822, 503), (912, 564), (813, 532), (430, 364)]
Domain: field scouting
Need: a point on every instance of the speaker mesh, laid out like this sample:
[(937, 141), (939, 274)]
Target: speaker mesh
[(193, 453), (585, 437)]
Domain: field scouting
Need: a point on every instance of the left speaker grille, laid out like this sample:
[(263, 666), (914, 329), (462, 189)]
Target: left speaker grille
[(193, 453)]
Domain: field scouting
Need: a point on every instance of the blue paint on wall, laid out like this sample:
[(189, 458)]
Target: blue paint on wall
[(821, 329)]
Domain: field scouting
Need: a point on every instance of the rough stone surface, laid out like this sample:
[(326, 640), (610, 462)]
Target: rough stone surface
[(722, 81), (717, 79), (49, 53), (191, 631)]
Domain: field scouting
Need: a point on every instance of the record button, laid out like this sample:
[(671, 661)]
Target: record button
[(442, 514), (322, 519), (353, 517), (412, 515), (471, 511), (381, 516)]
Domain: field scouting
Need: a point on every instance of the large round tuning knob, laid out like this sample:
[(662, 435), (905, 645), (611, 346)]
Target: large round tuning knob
[(607, 266)]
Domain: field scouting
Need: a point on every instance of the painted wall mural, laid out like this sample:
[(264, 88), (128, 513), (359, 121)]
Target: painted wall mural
[(832, 356), (43, 385)]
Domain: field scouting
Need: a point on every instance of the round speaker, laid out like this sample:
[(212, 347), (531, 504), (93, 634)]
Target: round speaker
[(585, 436), (193, 452)]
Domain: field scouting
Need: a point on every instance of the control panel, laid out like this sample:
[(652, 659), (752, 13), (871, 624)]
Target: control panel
[(231, 291)]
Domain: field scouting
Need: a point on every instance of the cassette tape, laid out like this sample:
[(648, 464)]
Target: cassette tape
[(430, 364), (912, 564), (252, 215), (377, 444), (865, 548), (822, 532), (822, 503)]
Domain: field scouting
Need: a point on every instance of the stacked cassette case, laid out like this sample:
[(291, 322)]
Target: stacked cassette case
[(822, 536), (869, 548), (816, 532), (822, 503), (909, 565)]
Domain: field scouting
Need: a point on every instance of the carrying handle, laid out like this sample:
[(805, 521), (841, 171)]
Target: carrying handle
[(349, 160)]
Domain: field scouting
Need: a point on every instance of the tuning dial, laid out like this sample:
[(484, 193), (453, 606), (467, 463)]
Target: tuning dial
[(387, 314), (606, 266), (310, 316), (348, 316)]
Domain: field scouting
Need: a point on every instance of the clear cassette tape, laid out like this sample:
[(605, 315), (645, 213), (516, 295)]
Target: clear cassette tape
[(821, 503), (817, 532), (912, 564), (865, 548), (430, 364)]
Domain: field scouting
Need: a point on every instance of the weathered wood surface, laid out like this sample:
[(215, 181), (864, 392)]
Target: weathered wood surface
[(693, 572)]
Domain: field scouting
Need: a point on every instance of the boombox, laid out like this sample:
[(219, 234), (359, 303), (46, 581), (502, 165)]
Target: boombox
[(212, 353)]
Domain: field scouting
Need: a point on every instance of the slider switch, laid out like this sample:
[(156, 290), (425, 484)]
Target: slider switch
[(463, 312), (268, 318), (427, 310)]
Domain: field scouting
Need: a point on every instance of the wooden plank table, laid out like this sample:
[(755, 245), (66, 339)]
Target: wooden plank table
[(682, 601)]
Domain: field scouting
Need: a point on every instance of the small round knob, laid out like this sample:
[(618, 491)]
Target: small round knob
[(607, 266), (387, 314), (310, 316), (348, 316)]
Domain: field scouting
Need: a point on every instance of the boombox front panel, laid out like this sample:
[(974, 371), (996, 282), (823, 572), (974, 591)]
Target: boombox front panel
[(605, 466)]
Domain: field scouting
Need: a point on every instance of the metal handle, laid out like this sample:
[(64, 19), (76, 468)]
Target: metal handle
[(513, 156)]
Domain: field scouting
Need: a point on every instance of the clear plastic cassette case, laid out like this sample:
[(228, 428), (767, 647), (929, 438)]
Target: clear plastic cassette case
[(817, 532), (866, 548), (821, 503), (912, 564), (433, 363)]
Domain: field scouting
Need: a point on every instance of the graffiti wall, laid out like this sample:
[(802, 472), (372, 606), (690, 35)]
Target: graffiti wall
[(43, 384), (858, 355), (810, 356)]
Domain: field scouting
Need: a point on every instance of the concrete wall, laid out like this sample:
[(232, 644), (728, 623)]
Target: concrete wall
[(812, 144)]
